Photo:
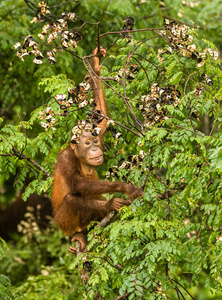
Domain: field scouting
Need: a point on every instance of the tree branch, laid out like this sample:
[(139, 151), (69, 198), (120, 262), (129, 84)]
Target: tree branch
[(22, 155), (125, 98), (196, 133), (122, 297), (181, 22), (129, 31), (83, 273)]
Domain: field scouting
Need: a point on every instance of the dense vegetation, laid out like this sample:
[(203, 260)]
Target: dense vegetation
[(163, 88)]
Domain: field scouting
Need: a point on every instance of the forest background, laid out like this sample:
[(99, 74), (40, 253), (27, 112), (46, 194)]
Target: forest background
[(164, 246)]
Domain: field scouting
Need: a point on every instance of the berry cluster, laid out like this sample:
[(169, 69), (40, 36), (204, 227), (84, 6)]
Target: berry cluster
[(42, 11), (129, 74), (153, 107), (57, 30), (48, 115), (110, 127), (200, 87), (178, 34), (191, 4), (84, 125), (128, 25), (133, 162), (181, 41), (29, 47), (77, 96)]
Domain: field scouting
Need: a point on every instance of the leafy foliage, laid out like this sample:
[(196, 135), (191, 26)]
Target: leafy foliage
[(38, 252), (6, 289)]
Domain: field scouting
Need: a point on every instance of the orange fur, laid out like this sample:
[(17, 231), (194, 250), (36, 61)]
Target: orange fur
[(77, 191)]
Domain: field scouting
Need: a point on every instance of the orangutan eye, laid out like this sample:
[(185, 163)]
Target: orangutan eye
[(87, 143), (96, 141)]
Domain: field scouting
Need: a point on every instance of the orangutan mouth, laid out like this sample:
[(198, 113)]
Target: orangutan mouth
[(97, 159)]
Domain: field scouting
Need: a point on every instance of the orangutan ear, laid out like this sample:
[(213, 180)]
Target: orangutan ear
[(73, 146)]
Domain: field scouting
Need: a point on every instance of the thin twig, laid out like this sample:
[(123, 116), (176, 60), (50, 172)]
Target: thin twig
[(122, 297), (106, 220), (64, 3), (183, 288), (143, 69), (83, 273), (127, 122), (180, 293), (98, 43), (190, 130), (148, 61), (181, 22), (177, 291), (113, 44), (24, 131), (89, 23), (185, 98), (30, 4), (125, 98), (129, 31), (160, 179), (22, 155), (9, 154), (117, 123), (168, 204)]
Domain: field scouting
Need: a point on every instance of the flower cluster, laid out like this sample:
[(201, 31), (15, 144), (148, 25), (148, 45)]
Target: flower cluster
[(43, 9), (29, 227), (204, 54), (63, 103), (29, 47), (79, 94), (129, 74), (87, 265), (181, 41), (51, 56), (178, 34), (95, 115), (110, 127), (128, 25), (152, 106), (85, 125), (48, 115), (191, 4), (76, 96), (57, 30), (133, 162), (199, 88)]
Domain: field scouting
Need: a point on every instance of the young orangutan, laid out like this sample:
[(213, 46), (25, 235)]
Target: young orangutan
[(77, 191)]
